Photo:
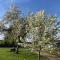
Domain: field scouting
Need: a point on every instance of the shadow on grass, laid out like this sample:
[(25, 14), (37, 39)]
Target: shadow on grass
[(43, 58)]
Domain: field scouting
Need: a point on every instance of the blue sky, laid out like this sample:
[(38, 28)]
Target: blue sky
[(50, 6)]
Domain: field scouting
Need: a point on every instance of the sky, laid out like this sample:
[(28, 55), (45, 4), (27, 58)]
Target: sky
[(50, 6), (2, 36)]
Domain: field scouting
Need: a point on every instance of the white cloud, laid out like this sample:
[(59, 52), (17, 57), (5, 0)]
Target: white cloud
[(1, 36)]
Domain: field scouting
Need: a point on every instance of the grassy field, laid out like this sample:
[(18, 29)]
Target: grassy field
[(5, 54)]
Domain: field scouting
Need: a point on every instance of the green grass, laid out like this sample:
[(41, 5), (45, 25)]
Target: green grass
[(5, 54)]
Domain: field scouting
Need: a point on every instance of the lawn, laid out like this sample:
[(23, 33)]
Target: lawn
[(24, 54)]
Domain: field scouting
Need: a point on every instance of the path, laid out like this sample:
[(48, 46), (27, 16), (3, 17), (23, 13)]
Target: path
[(53, 58)]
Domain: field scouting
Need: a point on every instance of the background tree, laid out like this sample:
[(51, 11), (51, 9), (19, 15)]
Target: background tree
[(12, 18), (17, 26)]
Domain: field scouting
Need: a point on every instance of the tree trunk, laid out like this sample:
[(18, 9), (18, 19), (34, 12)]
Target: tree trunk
[(39, 55)]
